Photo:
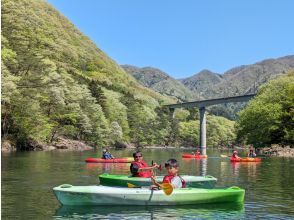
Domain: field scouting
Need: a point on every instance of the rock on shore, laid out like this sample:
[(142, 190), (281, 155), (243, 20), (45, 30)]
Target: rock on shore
[(61, 143)]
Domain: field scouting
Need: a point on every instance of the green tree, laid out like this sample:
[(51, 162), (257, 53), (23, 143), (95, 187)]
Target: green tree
[(189, 133), (268, 118), (116, 133)]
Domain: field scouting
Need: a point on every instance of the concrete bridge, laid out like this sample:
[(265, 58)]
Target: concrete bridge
[(202, 105)]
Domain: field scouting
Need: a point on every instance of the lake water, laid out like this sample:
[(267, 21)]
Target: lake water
[(28, 179)]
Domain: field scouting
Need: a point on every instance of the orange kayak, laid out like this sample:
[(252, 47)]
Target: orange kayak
[(246, 159), (194, 156)]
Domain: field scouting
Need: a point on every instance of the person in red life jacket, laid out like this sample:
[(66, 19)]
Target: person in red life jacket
[(235, 155), (139, 168), (197, 153), (172, 177)]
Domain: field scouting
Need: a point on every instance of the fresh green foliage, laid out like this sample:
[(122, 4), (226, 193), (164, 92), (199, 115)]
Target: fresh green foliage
[(57, 83), (181, 114), (269, 118), (220, 131), (189, 133)]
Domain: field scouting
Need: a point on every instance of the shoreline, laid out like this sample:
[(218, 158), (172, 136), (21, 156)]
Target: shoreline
[(64, 144)]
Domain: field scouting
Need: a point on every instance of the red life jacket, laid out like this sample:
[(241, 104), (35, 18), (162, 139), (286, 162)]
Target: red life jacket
[(142, 164), (168, 179)]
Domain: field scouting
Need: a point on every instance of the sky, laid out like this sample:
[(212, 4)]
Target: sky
[(183, 37)]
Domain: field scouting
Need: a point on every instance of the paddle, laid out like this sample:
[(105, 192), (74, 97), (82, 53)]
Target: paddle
[(166, 187)]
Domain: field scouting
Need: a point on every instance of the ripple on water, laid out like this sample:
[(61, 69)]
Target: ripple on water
[(214, 211)]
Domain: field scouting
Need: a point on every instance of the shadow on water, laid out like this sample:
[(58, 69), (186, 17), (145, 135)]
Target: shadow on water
[(201, 211)]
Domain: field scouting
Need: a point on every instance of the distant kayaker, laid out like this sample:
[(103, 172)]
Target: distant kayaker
[(235, 155), (198, 153), (251, 153), (139, 168), (107, 155), (172, 177)]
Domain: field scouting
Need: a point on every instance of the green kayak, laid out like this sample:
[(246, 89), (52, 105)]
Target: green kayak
[(107, 195), (207, 182)]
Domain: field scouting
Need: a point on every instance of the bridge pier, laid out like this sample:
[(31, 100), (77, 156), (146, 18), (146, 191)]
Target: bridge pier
[(202, 130), (201, 105)]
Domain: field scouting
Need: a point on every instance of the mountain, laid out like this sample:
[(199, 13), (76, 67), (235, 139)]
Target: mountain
[(240, 80), (160, 81), (201, 83)]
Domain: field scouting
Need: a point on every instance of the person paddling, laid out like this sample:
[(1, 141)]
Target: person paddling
[(235, 155), (139, 168), (107, 155), (172, 177), (251, 153)]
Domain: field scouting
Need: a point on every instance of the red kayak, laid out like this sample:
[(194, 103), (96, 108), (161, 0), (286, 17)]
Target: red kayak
[(246, 159), (115, 160), (194, 156)]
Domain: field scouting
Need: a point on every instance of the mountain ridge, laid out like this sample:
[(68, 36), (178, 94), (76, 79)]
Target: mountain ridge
[(238, 80), (159, 81)]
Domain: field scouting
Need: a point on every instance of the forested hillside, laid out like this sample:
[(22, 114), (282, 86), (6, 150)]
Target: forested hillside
[(241, 80), (160, 82), (269, 118), (57, 83)]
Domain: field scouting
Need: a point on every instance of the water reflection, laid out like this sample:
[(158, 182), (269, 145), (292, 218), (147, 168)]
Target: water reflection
[(251, 168), (195, 164), (203, 167), (109, 167), (28, 179), (202, 211)]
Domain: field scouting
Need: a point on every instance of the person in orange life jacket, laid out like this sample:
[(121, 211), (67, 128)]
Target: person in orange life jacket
[(172, 177), (139, 168), (235, 155), (251, 153)]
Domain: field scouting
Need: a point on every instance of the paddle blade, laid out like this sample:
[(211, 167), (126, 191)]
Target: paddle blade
[(223, 155), (131, 185), (167, 188)]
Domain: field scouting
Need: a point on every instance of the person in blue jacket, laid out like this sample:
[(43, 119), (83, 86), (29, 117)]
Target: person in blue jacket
[(251, 153), (107, 155)]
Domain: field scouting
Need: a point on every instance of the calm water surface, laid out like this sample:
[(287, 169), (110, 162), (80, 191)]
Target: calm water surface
[(28, 179)]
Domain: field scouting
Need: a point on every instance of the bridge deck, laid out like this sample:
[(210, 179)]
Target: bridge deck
[(204, 103)]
